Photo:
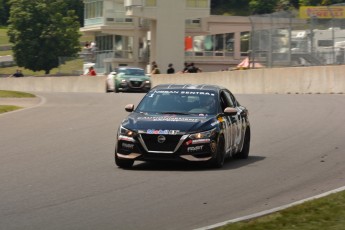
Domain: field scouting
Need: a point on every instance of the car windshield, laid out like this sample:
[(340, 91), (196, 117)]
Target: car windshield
[(134, 71), (169, 101)]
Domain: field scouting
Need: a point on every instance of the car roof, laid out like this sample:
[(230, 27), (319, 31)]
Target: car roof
[(189, 86)]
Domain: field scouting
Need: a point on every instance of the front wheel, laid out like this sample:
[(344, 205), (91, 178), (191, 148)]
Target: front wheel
[(219, 158), (123, 163)]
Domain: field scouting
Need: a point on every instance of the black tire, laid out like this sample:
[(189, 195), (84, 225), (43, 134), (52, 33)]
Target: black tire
[(218, 160), (123, 163), (115, 89), (246, 146), (107, 88)]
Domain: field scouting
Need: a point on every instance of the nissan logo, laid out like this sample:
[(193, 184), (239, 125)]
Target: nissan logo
[(161, 139)]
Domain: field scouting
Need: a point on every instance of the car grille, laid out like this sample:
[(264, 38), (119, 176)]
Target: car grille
[(135, 84), (152, 144)]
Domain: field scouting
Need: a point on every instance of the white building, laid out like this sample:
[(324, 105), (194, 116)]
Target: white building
[(137, 32)]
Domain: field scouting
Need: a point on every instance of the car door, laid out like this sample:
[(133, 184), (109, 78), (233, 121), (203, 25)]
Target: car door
[(241, 123), (229, 130), (230, 122)]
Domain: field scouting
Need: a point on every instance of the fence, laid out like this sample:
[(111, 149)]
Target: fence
[(312, 36)]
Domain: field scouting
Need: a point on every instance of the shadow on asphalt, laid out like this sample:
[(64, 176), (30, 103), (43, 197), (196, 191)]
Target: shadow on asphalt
[(192, 166)]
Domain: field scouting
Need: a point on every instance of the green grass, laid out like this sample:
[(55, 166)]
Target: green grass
[(8, 108), (5, 52), (12, 94), (3, 37), (15, 94), (67, 68), (324, 213)]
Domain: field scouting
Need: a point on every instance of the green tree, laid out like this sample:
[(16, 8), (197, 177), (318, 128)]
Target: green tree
[(230, 7), (263, 7), (78, 7), (42, 31), (319, 2), (4, 11)]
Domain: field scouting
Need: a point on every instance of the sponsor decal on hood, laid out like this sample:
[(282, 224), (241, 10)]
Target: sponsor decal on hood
[(168, 124), (168, 118)]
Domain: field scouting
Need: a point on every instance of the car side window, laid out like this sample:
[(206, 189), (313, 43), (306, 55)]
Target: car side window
[(226, 97), (235, 102), (121, 71), (223, 103)]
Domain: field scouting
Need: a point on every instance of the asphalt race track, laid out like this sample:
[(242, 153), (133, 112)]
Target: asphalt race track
[(57, 169)]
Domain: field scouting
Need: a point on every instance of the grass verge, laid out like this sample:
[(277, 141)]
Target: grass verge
[(15, 94), (4, 39), (8, 108), (12, 94), (68, 67), (324, 213)]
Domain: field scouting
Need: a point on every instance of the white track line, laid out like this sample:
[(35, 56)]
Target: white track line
[(252, 216)]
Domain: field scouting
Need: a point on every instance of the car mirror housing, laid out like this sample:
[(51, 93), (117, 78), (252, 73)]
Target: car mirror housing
[(129, 108), (230, 111)]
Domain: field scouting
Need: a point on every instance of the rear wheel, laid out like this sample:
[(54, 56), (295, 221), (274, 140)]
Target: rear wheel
[(123, 163), (218, 160), (246, 146)]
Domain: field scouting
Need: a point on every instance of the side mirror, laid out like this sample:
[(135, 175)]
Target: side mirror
[(129, 108), (230, 111)]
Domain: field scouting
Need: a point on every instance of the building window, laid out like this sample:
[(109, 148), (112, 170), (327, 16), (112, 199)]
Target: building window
[(120, 46), (245, 37), (229, 42), (104, 42), (197, 3), (210, 45), (93, 9), (219, 42)]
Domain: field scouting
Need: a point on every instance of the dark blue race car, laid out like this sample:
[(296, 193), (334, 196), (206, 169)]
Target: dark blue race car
[(197, 123)]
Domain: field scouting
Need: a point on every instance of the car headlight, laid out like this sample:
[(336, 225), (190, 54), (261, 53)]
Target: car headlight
[(126, 132), (203, 135), (147, 82)]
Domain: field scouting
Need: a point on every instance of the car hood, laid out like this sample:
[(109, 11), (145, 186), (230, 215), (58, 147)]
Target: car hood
[(169, 123), (134, 77)]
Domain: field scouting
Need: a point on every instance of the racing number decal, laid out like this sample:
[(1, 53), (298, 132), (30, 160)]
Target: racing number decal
[(238, 127), (226, 121), (234, 131)]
